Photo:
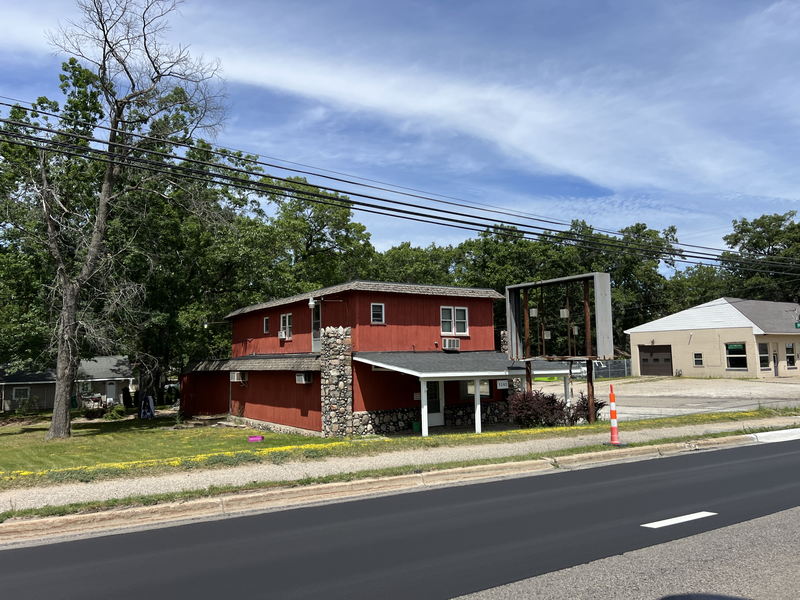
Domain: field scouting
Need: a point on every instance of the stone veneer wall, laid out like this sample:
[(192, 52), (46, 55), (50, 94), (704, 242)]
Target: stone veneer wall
[(336, 380), (464, 414), (516, 384), (385, 421), (396, 420), (503, 340)]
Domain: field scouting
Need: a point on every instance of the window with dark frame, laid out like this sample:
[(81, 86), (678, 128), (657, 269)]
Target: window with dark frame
[(736, 355), (763, 355), (698, 359), (791, 362), (377, 314)]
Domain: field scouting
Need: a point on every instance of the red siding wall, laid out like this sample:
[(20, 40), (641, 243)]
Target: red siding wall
[(249, 337), (205, 393), (248, 330), (413, 323), (274, 396), (382, 390)]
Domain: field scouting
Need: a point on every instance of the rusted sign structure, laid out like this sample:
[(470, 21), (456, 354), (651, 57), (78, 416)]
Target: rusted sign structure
[(541, 326)]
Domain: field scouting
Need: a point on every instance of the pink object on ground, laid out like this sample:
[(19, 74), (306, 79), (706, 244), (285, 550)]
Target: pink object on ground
[(255, 438)]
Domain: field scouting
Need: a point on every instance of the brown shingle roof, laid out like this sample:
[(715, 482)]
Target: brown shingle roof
[(375, 286), (261, 362)]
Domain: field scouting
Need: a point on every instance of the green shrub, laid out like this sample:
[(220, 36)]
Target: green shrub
[(580, 410), (115, 413), (93, 413)]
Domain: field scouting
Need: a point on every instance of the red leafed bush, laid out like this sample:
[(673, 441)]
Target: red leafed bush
[(536, 408), (539, 409)]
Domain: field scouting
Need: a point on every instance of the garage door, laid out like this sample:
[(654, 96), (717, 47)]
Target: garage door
[(655, 360)]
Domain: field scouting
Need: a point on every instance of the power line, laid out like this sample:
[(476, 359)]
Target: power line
[(260, 187), (592, 243), (573, 236), (460, 203)]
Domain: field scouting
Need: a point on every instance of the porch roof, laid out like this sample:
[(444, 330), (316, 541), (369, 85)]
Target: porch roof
[(458, 365)]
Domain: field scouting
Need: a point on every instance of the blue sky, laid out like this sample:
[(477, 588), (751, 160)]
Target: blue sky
[(616, 112)]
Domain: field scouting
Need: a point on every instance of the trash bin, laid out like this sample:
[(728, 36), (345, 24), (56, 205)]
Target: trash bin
[(73, 402), (416, 426)]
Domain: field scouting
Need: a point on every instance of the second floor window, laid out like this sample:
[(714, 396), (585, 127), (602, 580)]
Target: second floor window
[(377, 311), (286, 324), (454, 320)]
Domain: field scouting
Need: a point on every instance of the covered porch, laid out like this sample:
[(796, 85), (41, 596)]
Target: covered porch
[(485, 376)]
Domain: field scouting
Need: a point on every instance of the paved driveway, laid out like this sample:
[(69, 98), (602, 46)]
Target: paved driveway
[(642, 397)]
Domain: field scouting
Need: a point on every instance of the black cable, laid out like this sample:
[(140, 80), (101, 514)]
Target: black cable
[(259, 187), (776, 260), (583, 239)]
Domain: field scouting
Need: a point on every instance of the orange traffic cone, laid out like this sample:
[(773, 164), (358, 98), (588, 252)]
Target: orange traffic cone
[(612, 405)]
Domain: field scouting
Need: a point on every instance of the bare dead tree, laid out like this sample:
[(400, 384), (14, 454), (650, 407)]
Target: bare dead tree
[(125, 78)]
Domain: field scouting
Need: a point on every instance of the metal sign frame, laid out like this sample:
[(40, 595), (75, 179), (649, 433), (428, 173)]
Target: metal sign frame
[(602, 346)]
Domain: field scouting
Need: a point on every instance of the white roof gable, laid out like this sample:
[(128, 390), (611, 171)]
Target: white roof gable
[(717, 314)]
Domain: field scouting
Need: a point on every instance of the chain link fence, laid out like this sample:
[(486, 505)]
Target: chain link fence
[(607, 369)]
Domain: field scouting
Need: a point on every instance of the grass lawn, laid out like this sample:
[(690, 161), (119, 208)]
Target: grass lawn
[(107, 449), (22, 447)]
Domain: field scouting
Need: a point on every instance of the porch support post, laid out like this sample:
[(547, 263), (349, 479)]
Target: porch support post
[(567, 397), (477, 383), (423, 397)]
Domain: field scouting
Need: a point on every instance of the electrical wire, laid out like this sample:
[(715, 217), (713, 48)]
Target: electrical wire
[(561, 235), (460, 203)]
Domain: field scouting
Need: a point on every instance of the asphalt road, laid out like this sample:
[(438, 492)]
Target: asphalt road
[(436, 544), (754, 560)]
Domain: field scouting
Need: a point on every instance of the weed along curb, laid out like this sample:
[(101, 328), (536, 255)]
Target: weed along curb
[(19, 531)]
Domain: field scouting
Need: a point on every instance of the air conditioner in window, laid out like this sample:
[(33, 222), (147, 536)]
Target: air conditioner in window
[(282, 334), (304, 377), (238, 376), (451, 344)]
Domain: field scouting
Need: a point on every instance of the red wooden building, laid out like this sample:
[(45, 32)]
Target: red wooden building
[(360, 357)]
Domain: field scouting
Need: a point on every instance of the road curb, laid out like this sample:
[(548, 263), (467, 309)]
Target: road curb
[(16, 532)]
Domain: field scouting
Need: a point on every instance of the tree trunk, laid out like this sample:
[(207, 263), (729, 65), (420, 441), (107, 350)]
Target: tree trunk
[(67, 364)]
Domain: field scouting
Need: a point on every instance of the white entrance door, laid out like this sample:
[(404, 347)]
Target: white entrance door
[(435, 403), (111, 391)]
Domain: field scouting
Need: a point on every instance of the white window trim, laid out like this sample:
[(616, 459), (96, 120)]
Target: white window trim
[(265, 324), (453, 320), (792, 354), (14, 392), (372, 313), (702, 360), (286, 324), (471, 394)]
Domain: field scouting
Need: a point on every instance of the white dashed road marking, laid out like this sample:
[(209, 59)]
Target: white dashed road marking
[(676, 520)]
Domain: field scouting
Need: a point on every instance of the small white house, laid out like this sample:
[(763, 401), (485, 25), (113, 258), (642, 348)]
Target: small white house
[(727, 337)]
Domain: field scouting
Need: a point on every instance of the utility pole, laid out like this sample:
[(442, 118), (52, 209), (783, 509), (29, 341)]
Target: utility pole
[(587, 322), (526, 320)]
